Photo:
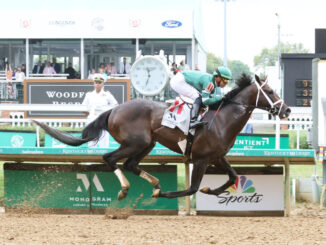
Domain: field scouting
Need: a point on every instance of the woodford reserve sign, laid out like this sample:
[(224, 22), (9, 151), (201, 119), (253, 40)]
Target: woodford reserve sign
[(68, 92)]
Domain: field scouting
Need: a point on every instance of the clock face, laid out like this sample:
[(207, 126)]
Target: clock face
[(149, 75)]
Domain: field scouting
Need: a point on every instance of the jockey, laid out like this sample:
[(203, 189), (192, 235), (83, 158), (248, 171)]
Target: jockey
[(201, 87)]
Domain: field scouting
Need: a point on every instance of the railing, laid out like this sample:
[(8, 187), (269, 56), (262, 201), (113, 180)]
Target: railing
[(11, 91), (80, 123), (48, 76)]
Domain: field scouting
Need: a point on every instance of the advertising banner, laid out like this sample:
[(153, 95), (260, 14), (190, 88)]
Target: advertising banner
[(68, 92), (15, 138), (260, 141), (83, 187), (255, 190), (99, 24)]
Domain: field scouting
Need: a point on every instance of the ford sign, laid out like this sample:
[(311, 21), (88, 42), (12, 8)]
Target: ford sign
[(171, 24)]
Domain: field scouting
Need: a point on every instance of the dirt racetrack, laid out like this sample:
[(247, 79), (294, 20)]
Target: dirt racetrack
[(307, 225)]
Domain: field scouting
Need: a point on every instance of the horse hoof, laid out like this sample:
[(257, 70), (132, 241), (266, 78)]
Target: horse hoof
[(205, 190), (156, 193), (122, 194)]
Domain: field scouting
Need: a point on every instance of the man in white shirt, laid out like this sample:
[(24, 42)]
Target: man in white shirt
[(124, 66), (99, 101)]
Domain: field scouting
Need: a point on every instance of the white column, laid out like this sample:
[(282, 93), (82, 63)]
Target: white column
[(82, 68), (136, 48), (193, 53), (174, 50), (225, 61), (27, 57)]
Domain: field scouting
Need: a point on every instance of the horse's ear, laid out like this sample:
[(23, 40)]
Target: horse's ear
[(257, 78)]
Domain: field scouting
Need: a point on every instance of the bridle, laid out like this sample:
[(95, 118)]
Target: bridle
[(273, 110)]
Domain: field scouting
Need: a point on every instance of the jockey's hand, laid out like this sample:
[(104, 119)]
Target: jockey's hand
[(226, 97)]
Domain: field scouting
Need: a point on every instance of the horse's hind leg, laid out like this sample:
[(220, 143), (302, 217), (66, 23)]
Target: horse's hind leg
[(232, 178), (125, 151), (196, 177), (132, 165)]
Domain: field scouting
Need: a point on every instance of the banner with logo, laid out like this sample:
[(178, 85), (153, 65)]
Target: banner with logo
[(256, 189), (83, 187), (15, 138), (68, 92), (100, 24), (260, 141)]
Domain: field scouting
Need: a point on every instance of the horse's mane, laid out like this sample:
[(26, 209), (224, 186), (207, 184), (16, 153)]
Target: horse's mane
[(242, 82)]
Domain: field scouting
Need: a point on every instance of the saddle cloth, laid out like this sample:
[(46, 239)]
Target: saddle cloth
[(178, 115)]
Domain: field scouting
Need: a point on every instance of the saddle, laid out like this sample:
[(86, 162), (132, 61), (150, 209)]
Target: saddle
[(178, 115)]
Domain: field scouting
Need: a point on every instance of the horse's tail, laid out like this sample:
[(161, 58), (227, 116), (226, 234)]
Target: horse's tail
[(94, 129), (91, 132)]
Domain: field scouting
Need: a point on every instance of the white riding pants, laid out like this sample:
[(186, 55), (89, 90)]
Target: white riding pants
[(178, 84)]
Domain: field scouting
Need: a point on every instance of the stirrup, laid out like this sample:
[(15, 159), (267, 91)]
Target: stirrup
[(196, 124)]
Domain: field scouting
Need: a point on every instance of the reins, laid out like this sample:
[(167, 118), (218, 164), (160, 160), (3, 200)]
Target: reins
[(252, 107), (218, 109)]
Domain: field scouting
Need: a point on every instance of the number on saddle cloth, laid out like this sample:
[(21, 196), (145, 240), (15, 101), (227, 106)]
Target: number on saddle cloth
[(178, 114)]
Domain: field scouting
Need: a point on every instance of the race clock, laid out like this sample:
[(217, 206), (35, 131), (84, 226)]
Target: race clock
[(149, 75)]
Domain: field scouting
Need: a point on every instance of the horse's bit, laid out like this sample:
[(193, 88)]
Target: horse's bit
[(273, 109)]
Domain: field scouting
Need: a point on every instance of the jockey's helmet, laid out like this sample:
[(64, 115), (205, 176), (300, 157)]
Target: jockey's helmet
[(223, 72)]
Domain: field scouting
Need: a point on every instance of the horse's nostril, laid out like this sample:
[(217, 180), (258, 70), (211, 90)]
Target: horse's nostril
[(287, 112)]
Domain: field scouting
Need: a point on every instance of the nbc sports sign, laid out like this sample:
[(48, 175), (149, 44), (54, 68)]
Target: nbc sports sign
[(254, 190)]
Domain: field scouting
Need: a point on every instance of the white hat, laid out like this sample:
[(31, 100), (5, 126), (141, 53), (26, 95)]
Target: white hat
[(99, 78)]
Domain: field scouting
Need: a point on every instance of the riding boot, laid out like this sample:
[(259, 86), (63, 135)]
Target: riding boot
[(194, 123)]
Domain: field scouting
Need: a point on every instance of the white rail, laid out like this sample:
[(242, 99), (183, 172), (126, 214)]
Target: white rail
[(43, 107)]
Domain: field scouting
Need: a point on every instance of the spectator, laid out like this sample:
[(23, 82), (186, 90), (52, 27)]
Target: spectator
[(183, 66), (103, 73), (49, 69), (107, 69), (20, 76), (71, 71), (10, 88), (97, 102), (23, 69), (92, 73), (174, 69), (55, 65), (124, 66), (14, 74), (8, 72), (38, 69), (113, 68), (196, 67)]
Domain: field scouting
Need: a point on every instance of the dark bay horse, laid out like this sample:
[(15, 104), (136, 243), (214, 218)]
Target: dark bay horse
[(136, 125)]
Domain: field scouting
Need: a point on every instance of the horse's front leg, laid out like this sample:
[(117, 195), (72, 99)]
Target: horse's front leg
[(232, 178), (197, 175)]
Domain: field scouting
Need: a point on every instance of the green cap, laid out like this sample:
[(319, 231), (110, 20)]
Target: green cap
[(224, 72)]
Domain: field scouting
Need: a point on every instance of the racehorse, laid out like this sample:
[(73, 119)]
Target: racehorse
[(136, 125)]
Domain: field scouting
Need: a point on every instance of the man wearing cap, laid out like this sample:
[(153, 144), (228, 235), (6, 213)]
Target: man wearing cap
[(202, 87), (97, 102)]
